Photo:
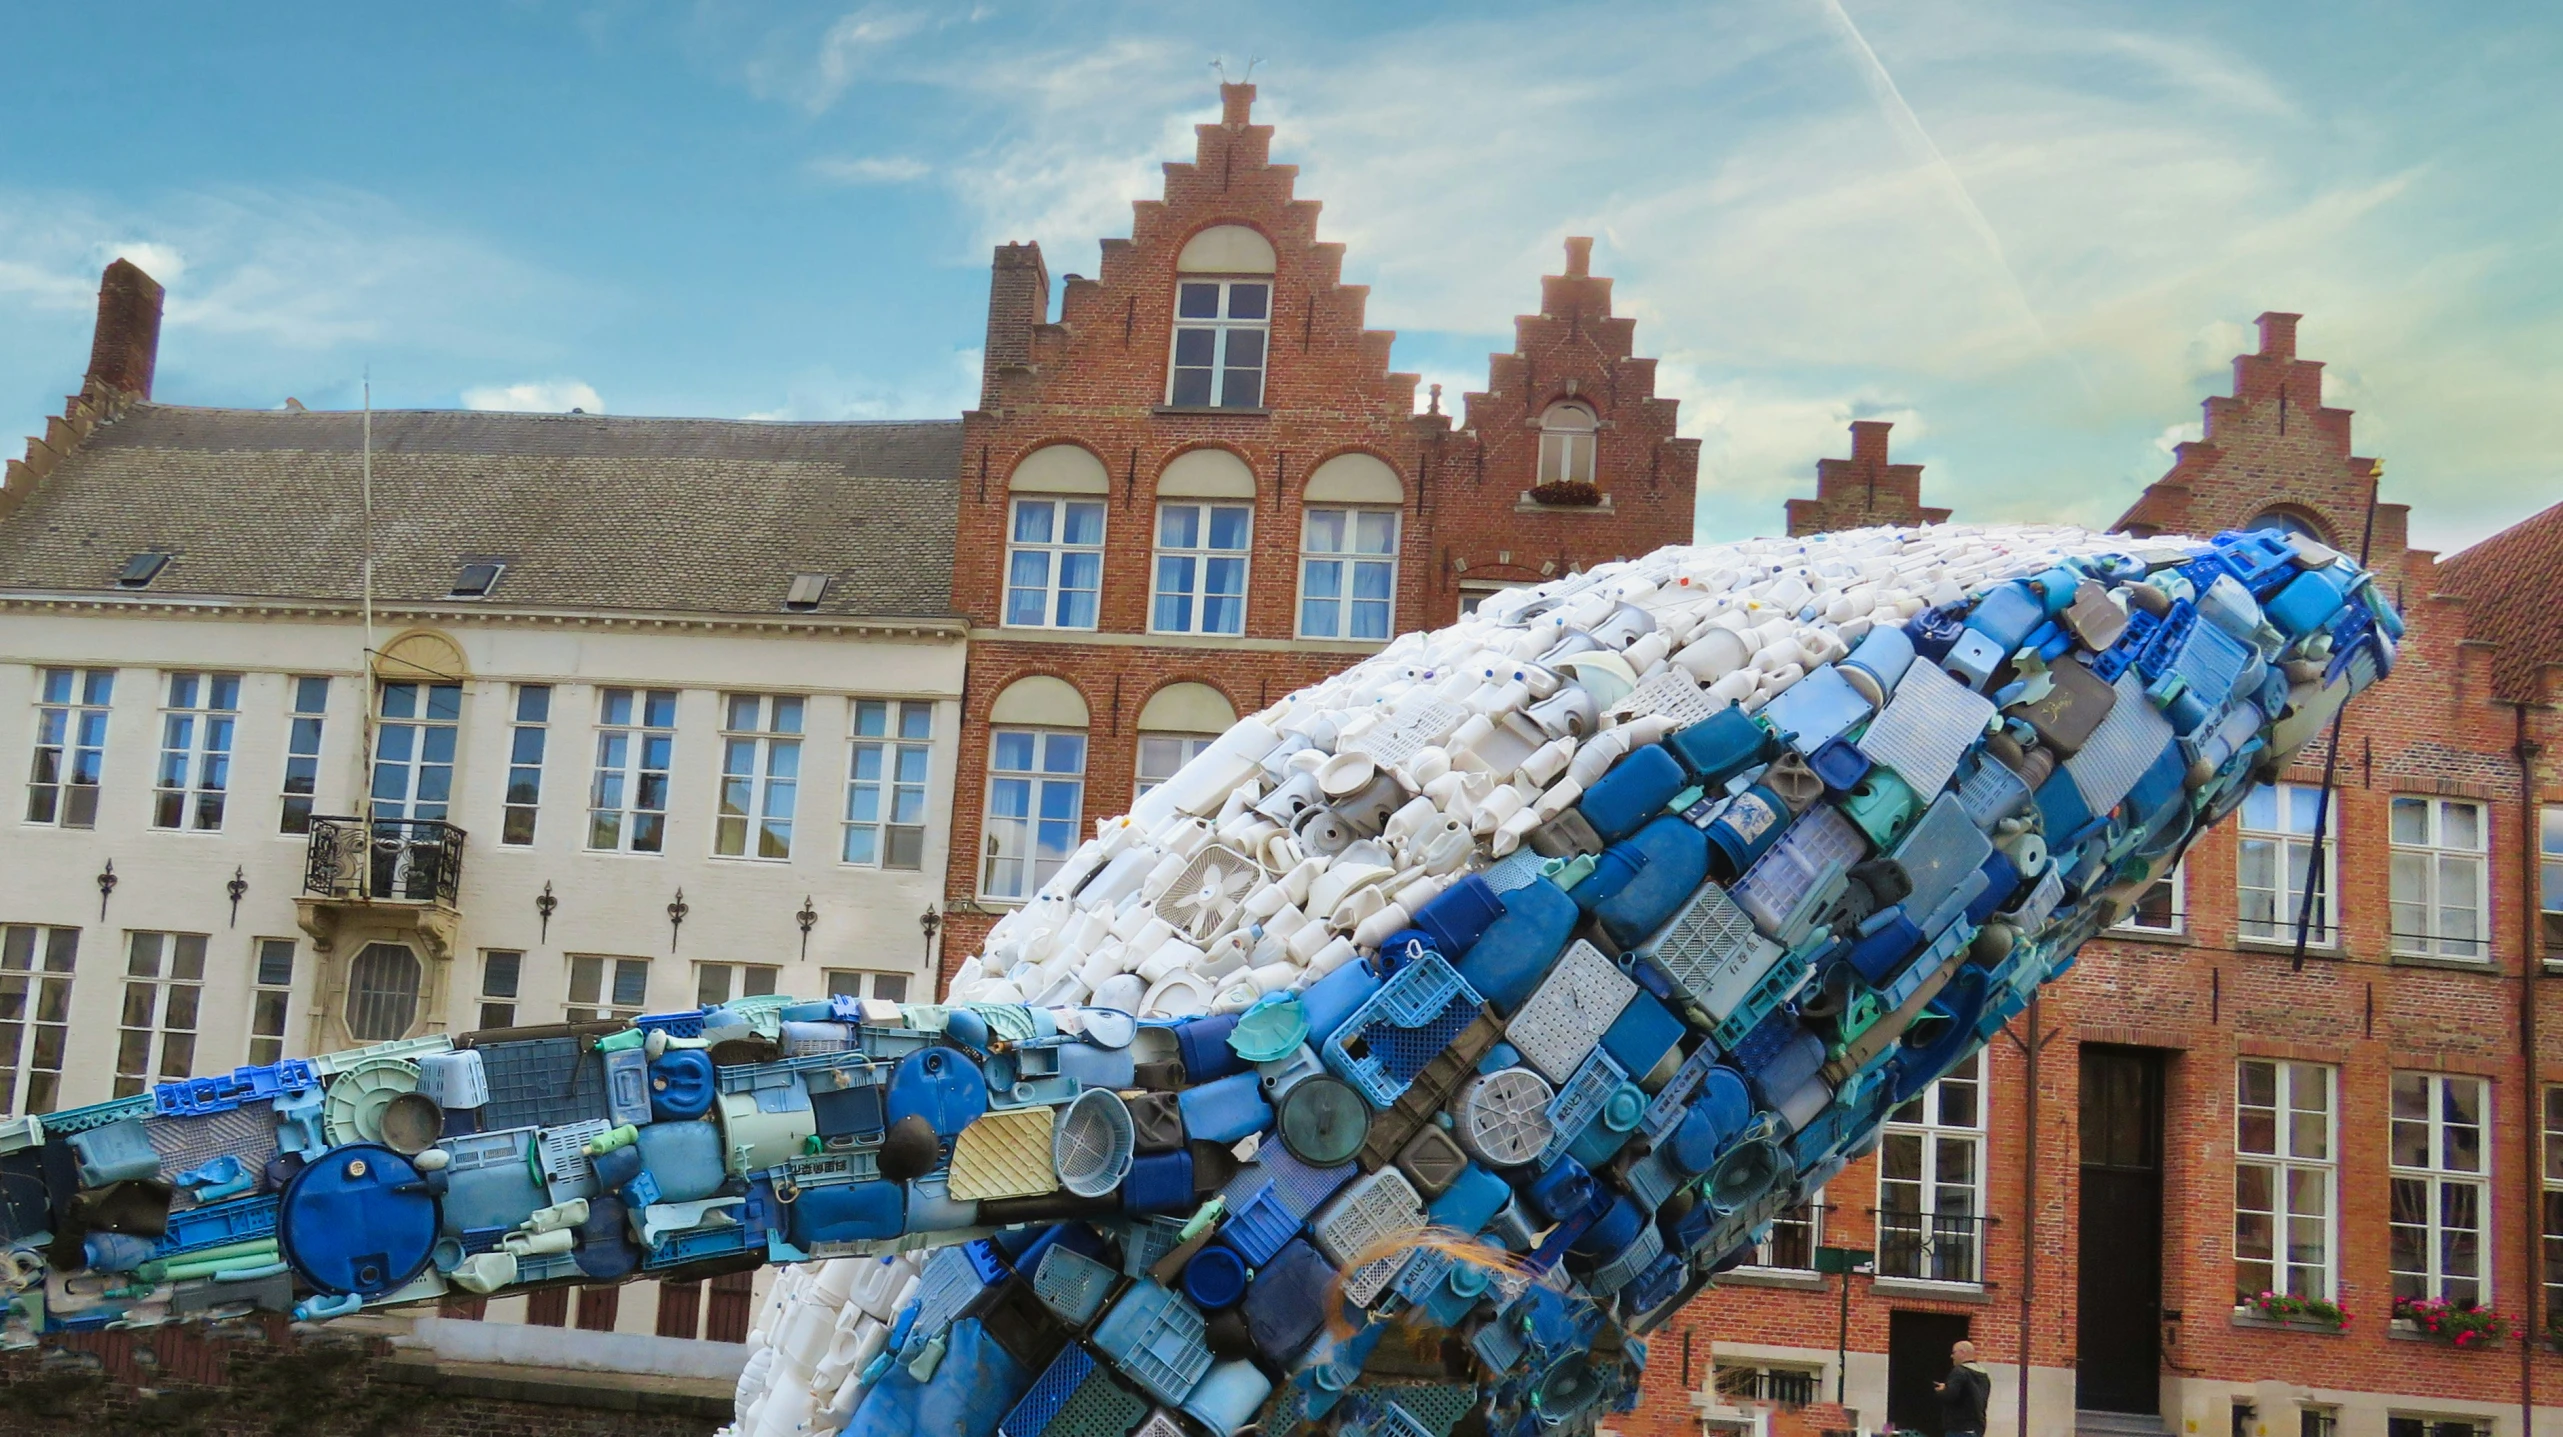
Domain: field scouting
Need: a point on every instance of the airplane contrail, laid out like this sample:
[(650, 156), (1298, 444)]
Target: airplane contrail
[(1909, 125)]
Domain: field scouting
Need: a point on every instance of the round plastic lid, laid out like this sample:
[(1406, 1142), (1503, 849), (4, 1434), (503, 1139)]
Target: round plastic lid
[(357, 1220), (1215, 1277), (1323, 1121), (1109, 1027), (1622, 1110)]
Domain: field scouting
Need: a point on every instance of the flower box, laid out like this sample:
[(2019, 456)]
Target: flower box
[(2288, 1310), (2467, 1329)]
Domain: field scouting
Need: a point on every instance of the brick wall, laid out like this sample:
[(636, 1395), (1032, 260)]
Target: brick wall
[(1864, 489), (1096, 377)]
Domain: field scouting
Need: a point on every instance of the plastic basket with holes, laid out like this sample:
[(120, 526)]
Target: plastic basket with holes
[(1424, 1411), (1580, 1101), (1622, 1267), (1003, 1155), (1386, 1041), (1570, 1011), (1502, 1118), (1270, 1199), (945, 1290), (1091, 1148), (1416, 726), (1782, 979), (1672, 693), (1073, 1285), (1144, 1240), (1157, 1338), (1375, 1208), (1711, 952), (1785, 884), (1049, 1392)]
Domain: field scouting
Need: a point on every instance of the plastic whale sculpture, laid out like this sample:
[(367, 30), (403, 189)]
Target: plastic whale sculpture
[(1404, 1059)]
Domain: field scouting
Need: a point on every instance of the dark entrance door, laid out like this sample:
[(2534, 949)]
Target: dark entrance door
[(2120, 1259), (1918, 1346)]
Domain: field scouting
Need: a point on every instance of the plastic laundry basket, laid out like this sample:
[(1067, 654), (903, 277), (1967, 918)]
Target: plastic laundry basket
[(1092, 1145)]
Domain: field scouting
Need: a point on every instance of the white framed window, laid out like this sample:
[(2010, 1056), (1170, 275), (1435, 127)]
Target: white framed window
[(35, 1013), (2441, 1189), (2275, 852), (71, 746), (885, 786), (526, 739), (716, 983), (604, 987), (2406, 1424), (1200, 581), (1036, 806), (2162, 908), (382, 992), (164, 982), (1474, 592), (1347, 573), (1161, 755), (760, 775), (1567, 433), (196, 728), (1054, 563), (271, 1002), (1221, 326), (1931, 1181), (1794, 1236), (414, 750), (302, 753), (2550, 884), (862, 983), (2553, 1209), (1749, 1384), (2440, 882), (635, 741), (502, 973), (2285, 1140)]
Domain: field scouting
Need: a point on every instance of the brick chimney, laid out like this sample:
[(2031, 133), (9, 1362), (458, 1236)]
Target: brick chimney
[(126, 346), (1018, 303), (1579, 256), (1869, 441), (2278, 335), (1236, 104)]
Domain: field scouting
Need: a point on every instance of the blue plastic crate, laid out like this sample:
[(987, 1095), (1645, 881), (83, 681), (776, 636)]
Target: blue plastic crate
[(1424, 1411), (1397, 1030), (688, 1024), (1158, 1339), (1258, 1224), (1072, 1284), (96, 1115), (196, 1097), (1146, 1239), (1050, 1391), (1580, 1101), (216, 1225), (952, 1280), (1674, 1098), (541, 1082), (1785, 976)]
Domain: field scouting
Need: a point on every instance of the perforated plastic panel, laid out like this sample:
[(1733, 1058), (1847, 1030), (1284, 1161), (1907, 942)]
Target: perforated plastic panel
[(1100, 1407), (1574, 1006), (2120, 750), (1031, 1417), (1580, 1101), (1431, 1411), (1926, 727), (1514, 870), (1712, 951), (1379, 1206), (1156, 1337), (1816, 848), (1004, 1154), (1421, 724), (563, 1154), (1672, 693), (1202, 903), (247, 1132), (1502, 1118), (1072, 1284)]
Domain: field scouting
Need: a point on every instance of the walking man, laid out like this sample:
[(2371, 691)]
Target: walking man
[(1963, 1394)]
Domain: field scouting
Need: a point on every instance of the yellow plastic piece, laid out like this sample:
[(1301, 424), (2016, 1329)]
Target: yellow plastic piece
[(1004, 1154)]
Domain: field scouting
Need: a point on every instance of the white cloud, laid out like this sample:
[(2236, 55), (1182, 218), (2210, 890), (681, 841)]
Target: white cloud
[(872, 170), (930, 391), (548, 396)]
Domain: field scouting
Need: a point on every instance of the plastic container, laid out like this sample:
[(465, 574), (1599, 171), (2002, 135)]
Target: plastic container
[(1462, 913), (1516, 951), (1330, 1000), (1203, 1044), (940, 1086), (1720, 746), (1579, 1103), (684, 1159), (1093, 1145), (1388, 1040), (1816, 709), (1073, 1285), (627, 1086), (681, 1085), (1432, 1161), (1228, 1396), (537, 1081), (846, 1212), (1635, 790), (1672, 858), (1157, 1339), (1226, 1109), (1285, 1305), (454, 1080), (1158, 1182), (1372, 1209), (1323, 1121), (358, 1221), (1471, 1201), (1564, 1020), (1157, 1122), (1215, 1277), (114, 1152), (1502, 1119)]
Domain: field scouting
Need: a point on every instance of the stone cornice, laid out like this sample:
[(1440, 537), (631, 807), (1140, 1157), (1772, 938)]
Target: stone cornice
[(780, 625)]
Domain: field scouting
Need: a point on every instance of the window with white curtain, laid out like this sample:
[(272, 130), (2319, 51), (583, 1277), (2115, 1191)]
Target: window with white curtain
[(1347, 573), (2275, 851), (2440, 1189), (1036, 805), (1054, 563), (2440, 888), (760, 775), (1200, 581)]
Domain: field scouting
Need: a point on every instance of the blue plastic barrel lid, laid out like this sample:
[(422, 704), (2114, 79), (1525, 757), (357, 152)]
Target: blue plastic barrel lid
[(1215, 1277), (1271, 1029), (1323, 1121), (358, 1221), (681, 1084), (940, 1086)]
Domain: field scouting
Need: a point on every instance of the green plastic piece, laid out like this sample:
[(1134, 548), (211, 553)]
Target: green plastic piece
[(1271, 1030), (612, 1138), (616, 1042), (1880, 806)]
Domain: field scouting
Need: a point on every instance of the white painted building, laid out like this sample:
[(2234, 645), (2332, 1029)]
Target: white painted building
[(647, 713)]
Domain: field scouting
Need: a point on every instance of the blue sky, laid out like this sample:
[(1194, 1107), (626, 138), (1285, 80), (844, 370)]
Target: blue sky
[(2031, 233)]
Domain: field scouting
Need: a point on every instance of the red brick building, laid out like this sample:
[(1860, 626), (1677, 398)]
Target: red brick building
[(1200, 487), (2210, 1118)]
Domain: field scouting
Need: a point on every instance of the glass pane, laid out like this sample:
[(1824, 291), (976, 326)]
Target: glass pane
[(1084, 524), (1178, 526), (1033, 520), (1197, 301), (2411, 820), (2461, 826), (1323, 531), (1247, 301)]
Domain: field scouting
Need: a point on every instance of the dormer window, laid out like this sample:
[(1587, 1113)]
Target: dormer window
[(476, 578), (1220, 329), (1566, 444), (141, 569)]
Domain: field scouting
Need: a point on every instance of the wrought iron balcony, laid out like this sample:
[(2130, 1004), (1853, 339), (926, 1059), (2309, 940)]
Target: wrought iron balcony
[(1931, 1247), (384, 860)]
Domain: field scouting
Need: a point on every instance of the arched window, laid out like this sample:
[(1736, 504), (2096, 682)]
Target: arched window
[(382, 993), (1036, 786), (1176, 724), (2291, 521), (1566, 445)]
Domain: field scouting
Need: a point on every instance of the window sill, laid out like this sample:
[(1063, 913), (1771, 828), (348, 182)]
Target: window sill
[(2164, 937), (2451, 965), (1783, 1277), (2403, 1329), (1924, 1287), (2244, 1317), (1528, 505), (2287, 946), (1214, 411)]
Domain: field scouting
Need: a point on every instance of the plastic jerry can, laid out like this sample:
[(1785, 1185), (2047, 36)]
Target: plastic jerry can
[(1225, 1109), (1156, 1122), (1517, 950), (681, 1084), (1158, 1182), (1675, 861), (1635, 789), (1840, 763), (1720, 746), (684, 1159), (1796, 1057), (2007, 614), (2309, 600), (1472, 1200), (627, 1086), (846, 1212), (1744, 831), (1215, 1277), (1456, 918), (1643, 1033), (1204, 1045), (1612, 1231), (1562, 1190), (1286, 1302), (113, 1153), (1332, 999), (359, 1220), (942, 1087), (1878, 663)]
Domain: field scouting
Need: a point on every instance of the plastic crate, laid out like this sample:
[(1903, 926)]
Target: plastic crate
[(1424, 1411), (1157, 1338), (536, 1267), (1927, 726), (1579, 1101), (1502, 1119), (1415, 726), (1570, 1011), (196, 1097), (885, 1045), (1710, 953), (96, 1115), (1672, 693), (216, 1225), (1049, 1393), (1624, 1266), (1778, 983), (1269, 1201), (541, 1081), (688, 1024), (21, 1133), (1386, 1041), (1146, 1239), (1073, 1285), (247, 1132), (561, 1153), (1003, 1155), (952, 1280), (1300, 1187), (1788, 888), (1992, 793), (1374, 1208), (2117, 754)]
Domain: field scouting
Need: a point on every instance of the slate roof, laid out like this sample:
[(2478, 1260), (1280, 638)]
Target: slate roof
[(588, 511), (2511, 578)]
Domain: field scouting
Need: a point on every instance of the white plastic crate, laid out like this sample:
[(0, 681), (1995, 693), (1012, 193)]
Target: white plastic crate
[(1419, 725), (1672, 693), (1926, 728), (1795, 876), (1376, 1207), (1573, 1007)]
